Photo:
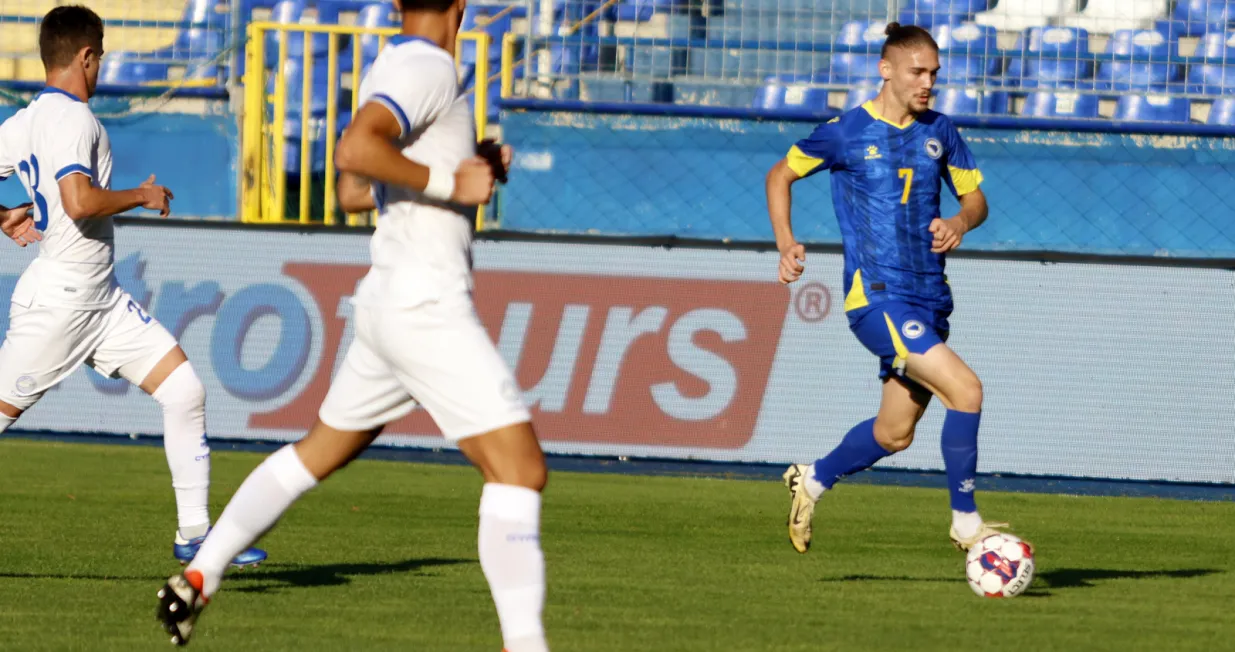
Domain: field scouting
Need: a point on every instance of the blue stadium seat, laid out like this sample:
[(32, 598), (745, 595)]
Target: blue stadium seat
[(857, 66), (792, 94), (745, 26), (1213, 72), (289, 12), (926, 13), (374, 14), (574, 58), (967, 101), (317, 143), (643, 10), (495, 29), (1196, 17), (658, 62), (1135, 68), (966, 52), (1060, 104), (128, 68), (294, 85), (1222, 112), (1051, 57), (329, 11), (247, 6), (202, 41), (1153, 108), (859, 95)]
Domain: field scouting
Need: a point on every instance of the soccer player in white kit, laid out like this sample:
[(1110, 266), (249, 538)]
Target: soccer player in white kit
[(410, 153), (67, 309)]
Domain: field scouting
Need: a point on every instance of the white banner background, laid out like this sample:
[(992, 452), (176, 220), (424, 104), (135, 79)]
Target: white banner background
[(1091, 370)]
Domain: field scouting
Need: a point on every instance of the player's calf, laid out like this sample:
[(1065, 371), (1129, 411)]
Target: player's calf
[(959, 388), (182, 397), (511, 461)]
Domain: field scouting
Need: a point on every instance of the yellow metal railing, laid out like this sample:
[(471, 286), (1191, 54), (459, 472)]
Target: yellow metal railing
[(264, 137)]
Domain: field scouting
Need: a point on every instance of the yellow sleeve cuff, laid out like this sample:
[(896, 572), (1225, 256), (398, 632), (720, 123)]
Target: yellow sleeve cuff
[(965, 181), (800, 163)]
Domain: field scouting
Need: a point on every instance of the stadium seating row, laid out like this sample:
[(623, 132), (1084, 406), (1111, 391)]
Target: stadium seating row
[(1054, 57), (797, 99), (1189, 17)]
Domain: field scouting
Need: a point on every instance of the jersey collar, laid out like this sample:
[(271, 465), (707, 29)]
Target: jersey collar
[(404, 38), (52, 90), (870, 108)]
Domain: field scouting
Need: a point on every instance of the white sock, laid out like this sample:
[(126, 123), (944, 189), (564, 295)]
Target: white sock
[(6, 422), (260, 501), (183, 399), (513, 563), (813, 487), (967, 524)]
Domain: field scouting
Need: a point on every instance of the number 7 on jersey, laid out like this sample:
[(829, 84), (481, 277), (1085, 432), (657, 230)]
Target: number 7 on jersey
[(907, 175)]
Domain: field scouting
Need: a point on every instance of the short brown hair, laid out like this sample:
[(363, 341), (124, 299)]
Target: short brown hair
[(65, 31), (906, 36)]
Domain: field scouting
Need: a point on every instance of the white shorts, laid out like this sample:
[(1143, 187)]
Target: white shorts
[(45, 344), (437, 355)]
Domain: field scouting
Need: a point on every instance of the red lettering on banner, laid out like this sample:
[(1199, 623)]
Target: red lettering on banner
[(649, 361)]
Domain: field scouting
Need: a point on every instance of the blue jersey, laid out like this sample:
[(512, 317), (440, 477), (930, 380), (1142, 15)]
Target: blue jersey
[(886, 181)]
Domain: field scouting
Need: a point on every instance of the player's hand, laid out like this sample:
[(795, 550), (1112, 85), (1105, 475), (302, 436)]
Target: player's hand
[(498, 156), (948, 234), (156, 197), (473, 182), (791, 259), (18, 224)]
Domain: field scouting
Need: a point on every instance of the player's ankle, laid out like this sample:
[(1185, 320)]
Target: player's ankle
[(966, 524), (190, 532), (814, 488)]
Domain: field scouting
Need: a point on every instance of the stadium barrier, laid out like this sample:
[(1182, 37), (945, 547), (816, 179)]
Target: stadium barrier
[(698, 353), (286, 147), (701, 177)]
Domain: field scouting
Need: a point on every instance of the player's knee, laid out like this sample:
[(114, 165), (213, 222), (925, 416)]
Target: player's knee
[(182, 389), (893, 437), (531, 474), (968, 396)]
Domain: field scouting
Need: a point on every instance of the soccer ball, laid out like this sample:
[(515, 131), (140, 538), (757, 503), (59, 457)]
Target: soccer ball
[(999, 566)]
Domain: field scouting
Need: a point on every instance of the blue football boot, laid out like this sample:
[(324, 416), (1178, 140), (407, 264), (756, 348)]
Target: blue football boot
[(186, 550)]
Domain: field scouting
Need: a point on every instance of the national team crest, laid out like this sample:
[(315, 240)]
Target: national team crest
[(934, 148), (913, 329)]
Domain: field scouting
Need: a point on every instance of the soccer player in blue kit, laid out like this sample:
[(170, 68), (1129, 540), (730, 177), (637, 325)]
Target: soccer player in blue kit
[(888, 160)]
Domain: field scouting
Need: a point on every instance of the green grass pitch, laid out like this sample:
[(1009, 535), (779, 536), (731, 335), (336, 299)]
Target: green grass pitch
[(382, 557)]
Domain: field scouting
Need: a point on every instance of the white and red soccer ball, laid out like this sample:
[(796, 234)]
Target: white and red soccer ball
[(999, 566)]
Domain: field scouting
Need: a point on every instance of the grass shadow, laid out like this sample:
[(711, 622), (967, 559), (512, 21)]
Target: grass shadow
[(1078, 578), (100, 577), (280, 576), (1045, 581)]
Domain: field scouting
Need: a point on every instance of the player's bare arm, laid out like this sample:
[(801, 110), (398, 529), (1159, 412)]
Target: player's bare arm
[(949, 232), (18, 224), (85, 201), (779, 187), (368, 149), (355, 193)]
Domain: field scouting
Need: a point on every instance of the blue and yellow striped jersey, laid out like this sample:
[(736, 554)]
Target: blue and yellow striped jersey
[(886, 181)]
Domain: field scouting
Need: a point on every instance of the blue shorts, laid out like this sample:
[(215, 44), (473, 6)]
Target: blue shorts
[(894, 329)]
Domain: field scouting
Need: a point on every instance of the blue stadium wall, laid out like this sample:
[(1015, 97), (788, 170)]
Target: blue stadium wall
[(693, 177), (194, 154)]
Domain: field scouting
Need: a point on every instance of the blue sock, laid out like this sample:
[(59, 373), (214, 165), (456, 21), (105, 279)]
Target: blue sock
[(856, 452), (960, 457)]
